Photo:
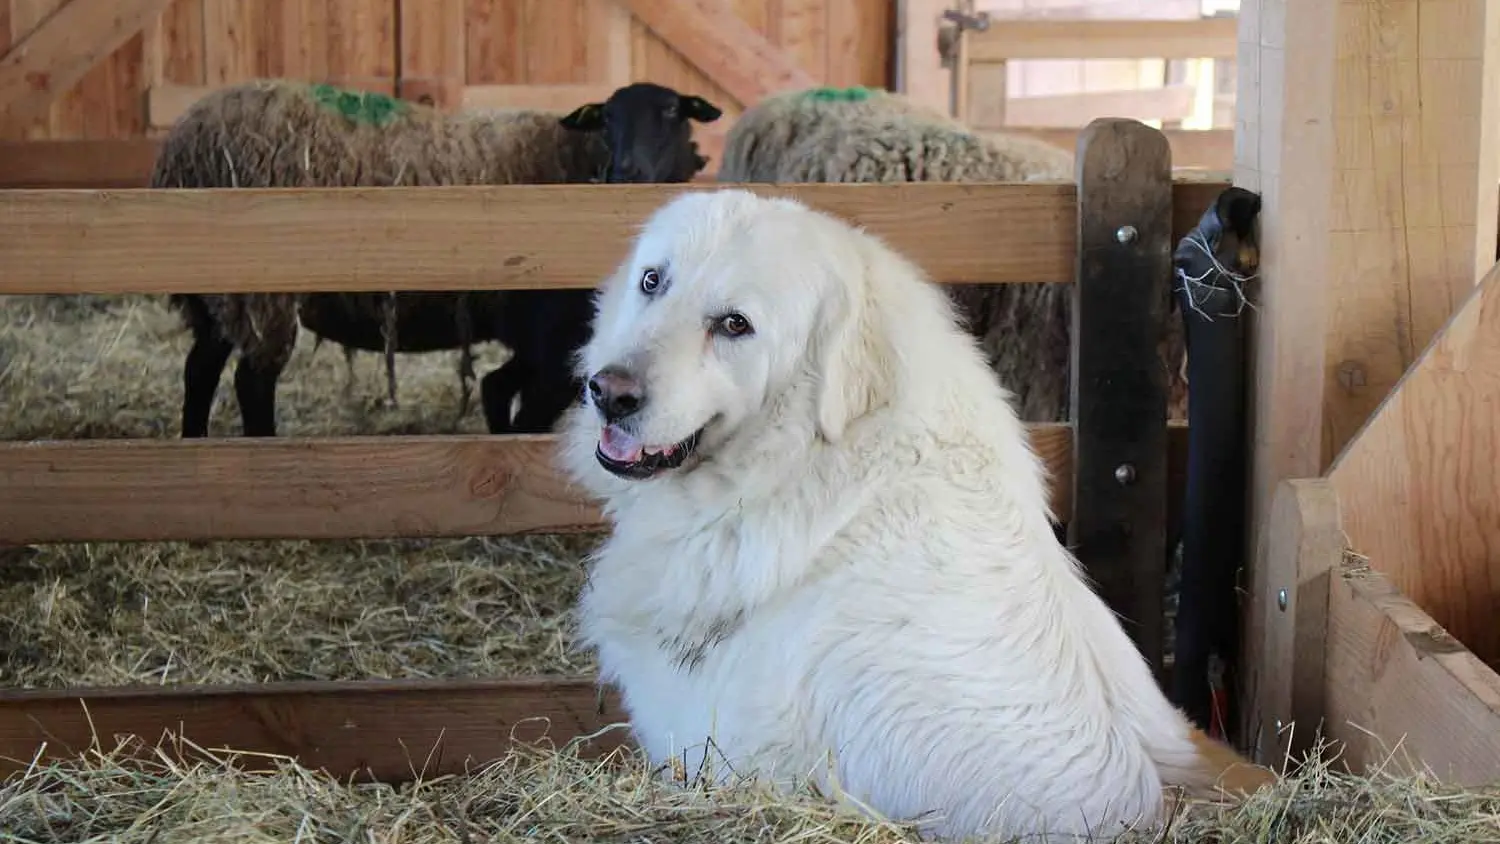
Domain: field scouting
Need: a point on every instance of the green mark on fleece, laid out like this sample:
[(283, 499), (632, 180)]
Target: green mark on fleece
[(852, 95), (360, 106)]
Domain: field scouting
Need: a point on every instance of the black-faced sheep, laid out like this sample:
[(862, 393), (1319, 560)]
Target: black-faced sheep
[(864, 135), (276, 133)]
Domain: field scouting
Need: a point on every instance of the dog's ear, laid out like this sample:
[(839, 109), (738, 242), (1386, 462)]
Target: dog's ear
[(856, 361)]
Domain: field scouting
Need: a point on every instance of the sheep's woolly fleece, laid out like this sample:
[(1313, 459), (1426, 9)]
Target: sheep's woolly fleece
[(286, 134), (871, 135), (758, 141)]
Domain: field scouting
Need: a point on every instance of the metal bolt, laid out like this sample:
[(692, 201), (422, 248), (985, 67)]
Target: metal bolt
[(1125, 234), (1281, 599), (1125, 474), (1279, 725)]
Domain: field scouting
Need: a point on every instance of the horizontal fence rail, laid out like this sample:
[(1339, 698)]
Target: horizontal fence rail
[(387, 730), (366, 487), (1193, 38), (511, 237)]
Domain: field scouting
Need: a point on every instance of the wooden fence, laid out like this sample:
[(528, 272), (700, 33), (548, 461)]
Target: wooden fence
[(450, 238), (984, 45)]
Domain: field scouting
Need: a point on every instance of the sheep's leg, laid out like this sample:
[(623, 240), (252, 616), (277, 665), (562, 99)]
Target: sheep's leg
[(389, 332), (255, 380), (465, 380), (200, 380), (349, 353), (496, 390)]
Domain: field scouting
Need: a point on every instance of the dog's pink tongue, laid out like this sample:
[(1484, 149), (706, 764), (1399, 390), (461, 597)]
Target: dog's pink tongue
[(618, 445)]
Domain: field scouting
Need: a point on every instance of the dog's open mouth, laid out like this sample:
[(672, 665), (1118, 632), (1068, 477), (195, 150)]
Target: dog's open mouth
[(626, 456)]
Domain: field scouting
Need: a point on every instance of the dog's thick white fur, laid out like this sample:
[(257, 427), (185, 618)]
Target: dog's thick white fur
[(854, 576)]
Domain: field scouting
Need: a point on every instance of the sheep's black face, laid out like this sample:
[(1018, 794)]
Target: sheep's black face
[(648, 132)]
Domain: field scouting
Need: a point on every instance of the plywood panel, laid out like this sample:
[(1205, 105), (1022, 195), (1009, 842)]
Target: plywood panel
[(25, 16), (446, 45), (556, 40), (493, 46), (180, 40)]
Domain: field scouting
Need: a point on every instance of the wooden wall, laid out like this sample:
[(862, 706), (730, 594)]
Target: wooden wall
[(415, 46)]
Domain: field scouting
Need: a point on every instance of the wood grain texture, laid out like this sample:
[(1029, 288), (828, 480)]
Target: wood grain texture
[(61, 165), (1401, 691), (455, 238), (1284, 150), (42, 66), (1306, 550), (1118, 398), (1410, 102), (722, 46), (1417, 485), (432, 52), (391, 731), (1104, 39), (323, 488)]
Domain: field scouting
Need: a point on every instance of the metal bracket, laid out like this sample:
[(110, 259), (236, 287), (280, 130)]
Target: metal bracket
[(954, 23)]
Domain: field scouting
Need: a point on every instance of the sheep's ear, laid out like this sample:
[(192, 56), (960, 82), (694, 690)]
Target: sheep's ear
[(585, 118), (699, 109), (855, 362)]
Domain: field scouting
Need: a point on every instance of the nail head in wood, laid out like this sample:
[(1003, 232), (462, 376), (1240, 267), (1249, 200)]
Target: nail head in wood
[(1281, 599), (1125, 474), (1125, 234)]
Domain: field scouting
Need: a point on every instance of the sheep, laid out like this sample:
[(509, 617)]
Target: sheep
[(859, 136), (755, 147), (277, 133)]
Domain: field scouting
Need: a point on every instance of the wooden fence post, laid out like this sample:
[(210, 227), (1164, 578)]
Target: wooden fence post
[(1119, 395)]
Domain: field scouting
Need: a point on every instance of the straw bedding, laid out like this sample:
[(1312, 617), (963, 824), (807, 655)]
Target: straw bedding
[(101, 367), (540, 795), (219, 612)]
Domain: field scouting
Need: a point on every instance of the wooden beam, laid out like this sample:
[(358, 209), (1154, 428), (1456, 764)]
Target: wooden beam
[(1070, 110), (56, 55), (920, 73), (1416, 485), (388, 730), (726, 49), (1306, 549), (1284, 150), (324, 488), (1206, 149), (463, 238), (1401, 692), (123, 163), (512, 237), (1009, 40)]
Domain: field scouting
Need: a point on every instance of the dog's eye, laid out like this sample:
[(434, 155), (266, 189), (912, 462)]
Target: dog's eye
[(650, 280), (734, 325)]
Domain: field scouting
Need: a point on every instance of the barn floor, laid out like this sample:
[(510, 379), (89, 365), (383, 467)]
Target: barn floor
[(219, 612), (537, 795)]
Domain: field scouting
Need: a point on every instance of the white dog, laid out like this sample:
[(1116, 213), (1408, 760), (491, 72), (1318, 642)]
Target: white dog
[(831, 555)]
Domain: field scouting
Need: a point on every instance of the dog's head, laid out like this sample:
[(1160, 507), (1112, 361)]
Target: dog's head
[(734, 315)]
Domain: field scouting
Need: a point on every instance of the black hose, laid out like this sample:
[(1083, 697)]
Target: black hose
[(1210, 266)]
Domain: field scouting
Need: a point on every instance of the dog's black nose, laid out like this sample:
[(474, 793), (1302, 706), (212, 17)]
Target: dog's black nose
[(616, 393)]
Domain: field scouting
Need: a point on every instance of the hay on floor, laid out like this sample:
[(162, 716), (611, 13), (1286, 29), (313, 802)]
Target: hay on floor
[(95, 367), (536, 794)]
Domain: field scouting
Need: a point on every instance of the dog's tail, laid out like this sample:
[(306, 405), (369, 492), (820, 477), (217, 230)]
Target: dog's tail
[(1215, 770)]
